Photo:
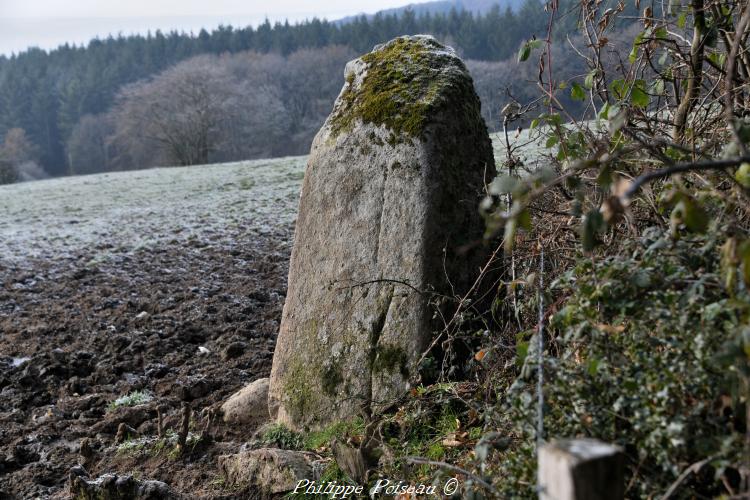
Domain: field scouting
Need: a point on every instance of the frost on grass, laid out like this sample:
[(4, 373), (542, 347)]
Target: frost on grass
[(135, 398), (112, 215), (119, 213)]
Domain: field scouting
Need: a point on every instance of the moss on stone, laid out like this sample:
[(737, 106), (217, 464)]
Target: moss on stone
[(390, 358), (406, 81), (331, 377), (299, 393)]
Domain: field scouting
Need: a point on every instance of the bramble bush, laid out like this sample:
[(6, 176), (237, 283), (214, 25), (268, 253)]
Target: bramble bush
[(643, 359)]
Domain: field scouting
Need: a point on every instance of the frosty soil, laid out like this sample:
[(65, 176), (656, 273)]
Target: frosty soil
[(167, 282)]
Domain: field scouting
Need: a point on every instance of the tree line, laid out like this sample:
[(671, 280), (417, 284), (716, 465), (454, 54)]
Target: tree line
[(82, 108)]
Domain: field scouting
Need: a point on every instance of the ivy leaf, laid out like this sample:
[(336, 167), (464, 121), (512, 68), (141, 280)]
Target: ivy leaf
[(577, 93), (638, 95), (620, 88)]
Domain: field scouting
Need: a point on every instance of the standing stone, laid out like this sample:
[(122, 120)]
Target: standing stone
[(394, 177)]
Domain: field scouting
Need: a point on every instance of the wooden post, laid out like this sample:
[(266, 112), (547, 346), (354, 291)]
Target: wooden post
[(581, 469)]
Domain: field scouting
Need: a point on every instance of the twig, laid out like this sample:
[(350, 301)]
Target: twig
[(731, 62), (384, 280), (682, 167), (443, 465), (693, 469)]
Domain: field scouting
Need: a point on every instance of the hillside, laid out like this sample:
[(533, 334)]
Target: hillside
[(111, 285), (53, 95)]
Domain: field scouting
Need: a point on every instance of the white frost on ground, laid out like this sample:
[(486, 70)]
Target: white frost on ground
[(122, 212)]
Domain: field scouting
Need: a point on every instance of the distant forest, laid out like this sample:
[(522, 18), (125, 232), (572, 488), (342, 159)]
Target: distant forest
[(106, 106)]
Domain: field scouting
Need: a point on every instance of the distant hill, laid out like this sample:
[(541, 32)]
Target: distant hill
[(442, 7)]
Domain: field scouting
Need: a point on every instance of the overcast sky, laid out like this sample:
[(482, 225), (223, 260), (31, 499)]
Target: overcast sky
[(49, 23)]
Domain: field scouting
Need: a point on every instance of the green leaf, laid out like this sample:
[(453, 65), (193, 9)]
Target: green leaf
[(620, 88), (589, 81), (633, 54), (554, 119), (536, 44), (682, 19), (577, 93), (593, 366), (690, 213), (742, 175), (524, 220), (636, 45), (604, 112), (534, 124), (551, 141), (524, 52), (638, 95), (717, 59), (522, 350)]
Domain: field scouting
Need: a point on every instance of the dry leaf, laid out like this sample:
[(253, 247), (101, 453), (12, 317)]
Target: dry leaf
[(610, 328)]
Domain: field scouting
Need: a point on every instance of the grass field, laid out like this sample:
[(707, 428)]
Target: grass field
[(125, 211), (110, 283)]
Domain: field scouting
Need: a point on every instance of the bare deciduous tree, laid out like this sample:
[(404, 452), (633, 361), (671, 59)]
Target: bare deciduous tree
[(18, 158), (177, 115)]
